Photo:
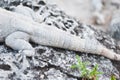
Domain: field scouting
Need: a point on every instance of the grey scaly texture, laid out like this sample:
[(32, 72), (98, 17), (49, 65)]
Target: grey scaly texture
[(17, 30)]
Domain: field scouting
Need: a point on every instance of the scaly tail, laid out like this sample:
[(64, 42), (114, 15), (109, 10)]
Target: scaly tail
[(51, 36)]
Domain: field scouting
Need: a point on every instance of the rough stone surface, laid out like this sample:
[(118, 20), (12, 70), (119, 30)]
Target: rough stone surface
[(54, 63)]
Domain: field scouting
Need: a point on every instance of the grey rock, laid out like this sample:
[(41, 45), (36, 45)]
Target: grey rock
[(53, 63), (54, 74)]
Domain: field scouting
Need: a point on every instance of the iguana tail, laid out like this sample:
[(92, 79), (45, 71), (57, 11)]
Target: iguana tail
[(52, 36)]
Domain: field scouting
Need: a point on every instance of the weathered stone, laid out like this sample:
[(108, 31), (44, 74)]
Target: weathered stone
[(54, 63)]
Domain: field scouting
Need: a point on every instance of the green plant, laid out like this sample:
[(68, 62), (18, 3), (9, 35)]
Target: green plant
[(94, 73), (113, 77), (85, 73)]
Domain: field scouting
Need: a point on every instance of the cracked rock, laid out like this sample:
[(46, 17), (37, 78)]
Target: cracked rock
[(53, 63)]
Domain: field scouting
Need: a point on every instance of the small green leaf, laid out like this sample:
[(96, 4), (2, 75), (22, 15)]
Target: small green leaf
[(85, 73), (113, 77), (74, 66)]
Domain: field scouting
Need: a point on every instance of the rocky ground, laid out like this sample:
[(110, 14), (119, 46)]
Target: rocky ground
[(94, 12), (54, 63)]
